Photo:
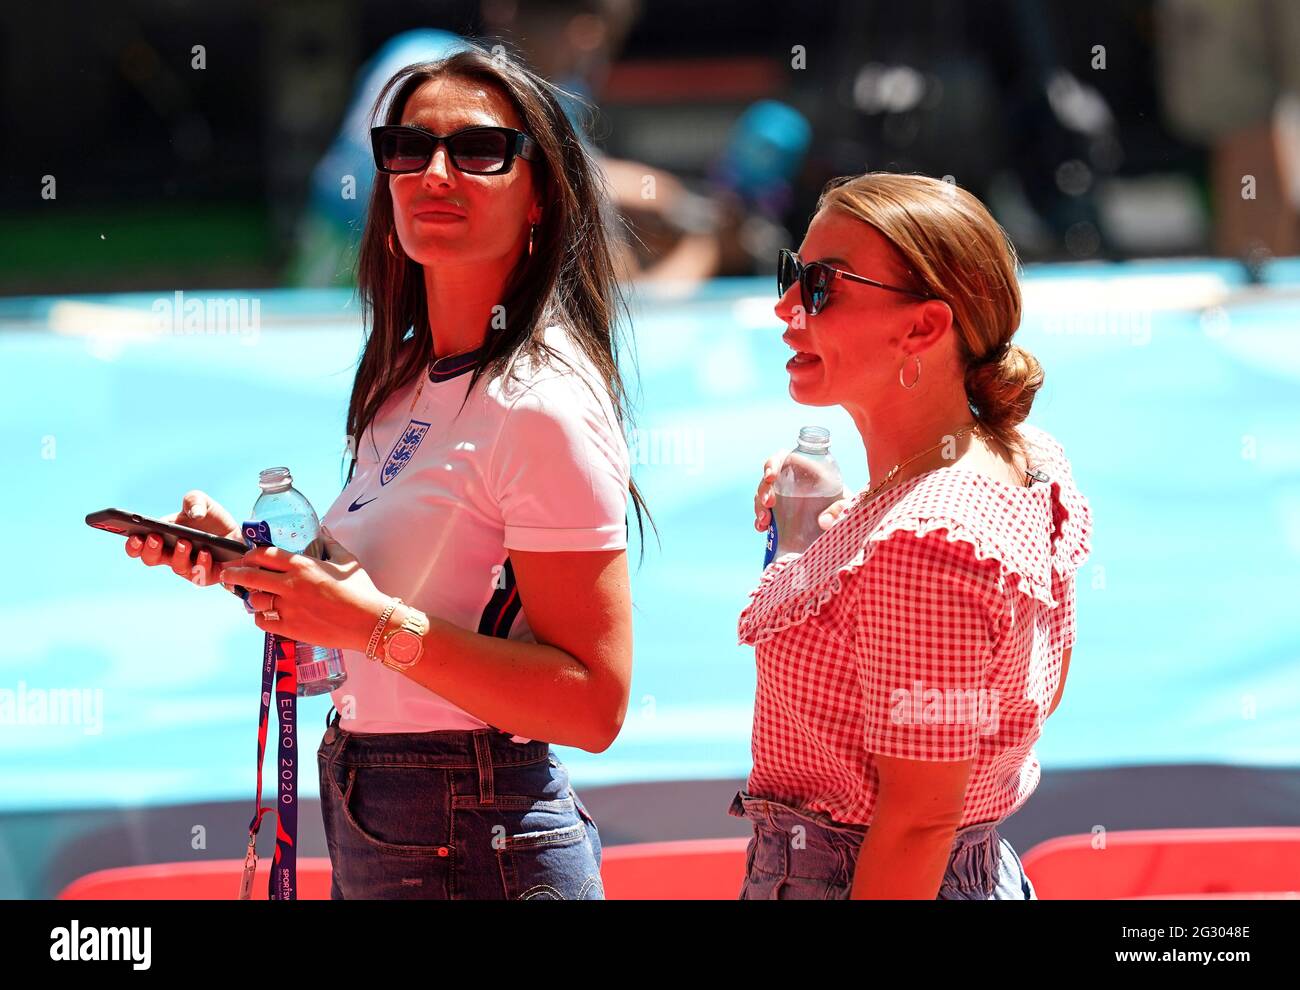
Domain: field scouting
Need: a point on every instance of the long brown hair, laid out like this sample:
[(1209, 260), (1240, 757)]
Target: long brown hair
[(956, 252), (568, 279)]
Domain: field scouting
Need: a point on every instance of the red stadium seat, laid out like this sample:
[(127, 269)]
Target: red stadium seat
[(203, 880), (1225, 863), (698, 869), (689, 870)]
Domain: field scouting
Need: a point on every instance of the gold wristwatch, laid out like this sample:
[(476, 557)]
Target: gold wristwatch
[(403, 647)]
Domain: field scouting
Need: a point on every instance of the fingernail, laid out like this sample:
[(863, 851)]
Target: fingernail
[(134, 542), (153, 541)]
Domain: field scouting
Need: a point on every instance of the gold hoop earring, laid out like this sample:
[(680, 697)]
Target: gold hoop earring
[(532, 231), (917, 359), (392, 248)]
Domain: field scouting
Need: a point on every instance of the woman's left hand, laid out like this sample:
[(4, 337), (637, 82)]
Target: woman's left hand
[(330, 603)]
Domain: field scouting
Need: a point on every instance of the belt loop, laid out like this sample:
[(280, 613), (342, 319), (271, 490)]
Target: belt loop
[(785, 839), (483, 754), (331, 730), (335, 737)]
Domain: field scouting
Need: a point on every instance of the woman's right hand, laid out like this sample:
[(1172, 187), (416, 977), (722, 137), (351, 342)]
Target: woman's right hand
[(765, 497), (197, 511)]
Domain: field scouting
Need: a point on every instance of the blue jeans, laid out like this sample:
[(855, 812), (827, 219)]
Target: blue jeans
[(453, 814), (805, 855)]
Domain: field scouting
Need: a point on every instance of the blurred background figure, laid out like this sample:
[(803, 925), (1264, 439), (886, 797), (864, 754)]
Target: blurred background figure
[(668, 230), (330, 228), (1230, 79)]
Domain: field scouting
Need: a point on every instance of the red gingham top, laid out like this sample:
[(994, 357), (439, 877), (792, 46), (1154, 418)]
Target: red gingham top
[(927, 623)]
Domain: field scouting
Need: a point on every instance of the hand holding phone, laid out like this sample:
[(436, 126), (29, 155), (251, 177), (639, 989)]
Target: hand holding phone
[(193, 541)]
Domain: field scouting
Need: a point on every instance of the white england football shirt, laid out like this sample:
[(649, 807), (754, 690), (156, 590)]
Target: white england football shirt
[(441, 494)]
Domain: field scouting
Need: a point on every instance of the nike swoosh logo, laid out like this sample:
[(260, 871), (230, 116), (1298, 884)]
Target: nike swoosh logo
[(357, 504)]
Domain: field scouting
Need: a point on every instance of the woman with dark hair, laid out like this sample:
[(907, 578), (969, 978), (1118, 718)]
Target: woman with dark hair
[(908, 658), (476, 576)]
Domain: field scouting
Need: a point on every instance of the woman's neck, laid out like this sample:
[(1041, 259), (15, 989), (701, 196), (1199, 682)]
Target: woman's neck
[(461, 301), (891, 437)]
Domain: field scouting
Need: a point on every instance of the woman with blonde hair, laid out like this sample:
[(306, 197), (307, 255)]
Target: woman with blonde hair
[(908, 658)]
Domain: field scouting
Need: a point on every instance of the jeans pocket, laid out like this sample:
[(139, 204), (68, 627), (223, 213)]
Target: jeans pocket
[(401, 810), (556, 864)]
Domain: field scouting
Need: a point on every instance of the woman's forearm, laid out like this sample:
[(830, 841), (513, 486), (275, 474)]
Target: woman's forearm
[(527, 689), (902, 861)]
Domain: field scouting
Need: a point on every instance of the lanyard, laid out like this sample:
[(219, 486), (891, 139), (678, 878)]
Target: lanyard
[(279, 666)]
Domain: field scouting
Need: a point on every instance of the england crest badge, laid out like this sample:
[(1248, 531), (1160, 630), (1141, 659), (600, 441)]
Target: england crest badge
[(403, 450)]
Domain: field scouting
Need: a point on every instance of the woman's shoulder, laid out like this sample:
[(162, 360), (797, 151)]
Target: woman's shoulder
[(962, 522), (1029, 529), (1071, 510), (896, 534), (558, 375), (1046, 452), (556, 406), (797, 587)]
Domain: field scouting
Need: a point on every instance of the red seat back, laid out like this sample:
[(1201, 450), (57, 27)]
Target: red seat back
[(698, 869), (1153, 863), (204, 880), (1167, 862), (689, 870)]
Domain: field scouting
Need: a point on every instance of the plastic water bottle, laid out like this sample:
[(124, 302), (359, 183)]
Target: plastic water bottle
[(808, 482), (294, 526)]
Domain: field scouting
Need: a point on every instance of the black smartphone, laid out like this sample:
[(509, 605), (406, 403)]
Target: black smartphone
[(133, 524)]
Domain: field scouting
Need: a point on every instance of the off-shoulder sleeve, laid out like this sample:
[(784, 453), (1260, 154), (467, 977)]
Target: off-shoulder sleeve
[(926, 612)]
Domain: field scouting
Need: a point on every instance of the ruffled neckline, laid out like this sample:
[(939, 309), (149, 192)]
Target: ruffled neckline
[(788, 595)]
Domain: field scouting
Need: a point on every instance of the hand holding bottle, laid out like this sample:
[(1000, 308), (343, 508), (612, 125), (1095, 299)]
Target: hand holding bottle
[(765, 496), (806, 487), (326, 603)]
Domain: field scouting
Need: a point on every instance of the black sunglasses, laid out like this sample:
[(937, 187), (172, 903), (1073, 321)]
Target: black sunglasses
[(815, 280), (400, 149)]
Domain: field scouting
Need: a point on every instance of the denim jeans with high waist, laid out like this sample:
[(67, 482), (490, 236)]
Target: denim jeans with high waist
[(805, 855), (453, 814)]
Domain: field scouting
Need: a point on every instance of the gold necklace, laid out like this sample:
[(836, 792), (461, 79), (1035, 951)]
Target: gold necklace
[(897, 467), (420, 388)]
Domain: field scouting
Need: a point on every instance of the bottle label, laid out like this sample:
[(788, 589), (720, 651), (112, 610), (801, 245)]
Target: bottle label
[(770, 551), (314, 670)]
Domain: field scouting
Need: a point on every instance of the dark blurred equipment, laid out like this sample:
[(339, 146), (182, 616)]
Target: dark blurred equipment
[(977, 92), (193, 169), (1230, 79)]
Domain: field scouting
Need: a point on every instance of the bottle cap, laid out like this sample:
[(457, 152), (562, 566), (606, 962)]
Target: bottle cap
[(275, 479), (814, 439)]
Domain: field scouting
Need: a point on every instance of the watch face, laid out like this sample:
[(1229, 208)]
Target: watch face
[(404, 646)]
